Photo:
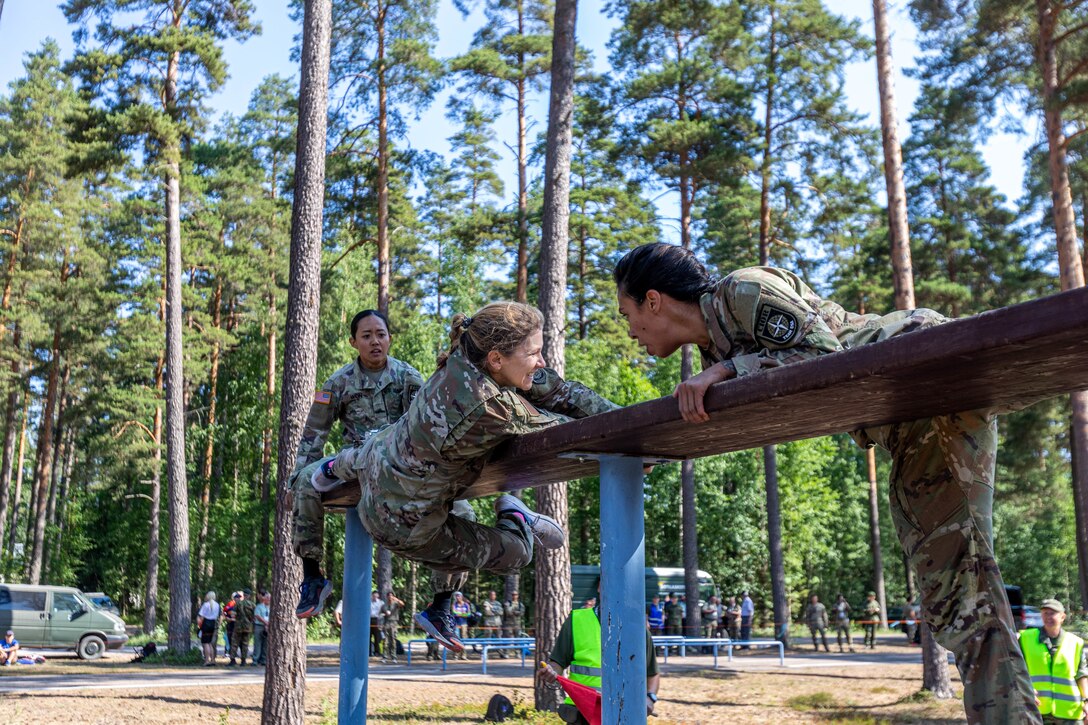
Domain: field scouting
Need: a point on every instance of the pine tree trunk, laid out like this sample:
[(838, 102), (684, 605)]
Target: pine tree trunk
[(12, 422), (1070, 265), (65, 485), (384, 261), (202, 564), (285, 678), (522, 272), (180, 619), (18, 494), (553, 592), (874, 538), (151, 582), (43, 469), (935, 674), (903, 276), (266, 436)]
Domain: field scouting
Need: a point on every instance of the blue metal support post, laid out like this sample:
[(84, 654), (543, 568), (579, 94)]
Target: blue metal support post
[(623, 591), (355, 634)]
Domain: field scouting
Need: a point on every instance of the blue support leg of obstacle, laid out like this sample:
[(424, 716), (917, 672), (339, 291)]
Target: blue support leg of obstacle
[(623, 591), (355, 635)]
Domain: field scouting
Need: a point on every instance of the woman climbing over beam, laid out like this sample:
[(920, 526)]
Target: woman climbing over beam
[(492, 385), (942, 478)]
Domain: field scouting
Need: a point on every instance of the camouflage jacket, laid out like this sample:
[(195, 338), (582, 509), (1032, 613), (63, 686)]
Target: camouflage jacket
[(244, 615), (816, 615), (362, 405), (412, 471), (492, 613), (512, 613)]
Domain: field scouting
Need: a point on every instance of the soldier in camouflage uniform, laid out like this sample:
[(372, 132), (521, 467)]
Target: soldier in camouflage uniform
[(492, 386), (513, 612), (368, 393), (243, 627), (942, 479)]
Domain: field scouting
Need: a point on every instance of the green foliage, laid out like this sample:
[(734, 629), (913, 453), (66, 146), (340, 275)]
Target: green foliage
[(164, 657)]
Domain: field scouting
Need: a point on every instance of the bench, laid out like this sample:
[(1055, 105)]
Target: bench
[(524, 644)]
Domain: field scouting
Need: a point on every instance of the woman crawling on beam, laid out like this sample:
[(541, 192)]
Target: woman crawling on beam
[(492, 385), (942, 479)]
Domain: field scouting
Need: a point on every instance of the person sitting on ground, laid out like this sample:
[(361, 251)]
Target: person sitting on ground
[(9, 649), (207, 621), (370, 392), (491, 386), (578, 647), (942, 486)]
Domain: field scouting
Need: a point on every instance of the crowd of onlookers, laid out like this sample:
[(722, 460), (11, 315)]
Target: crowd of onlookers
[(241, 621), (729, 618)]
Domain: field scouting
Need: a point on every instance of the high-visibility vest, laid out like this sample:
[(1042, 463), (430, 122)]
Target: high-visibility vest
[(585, 668), (1054, 677)]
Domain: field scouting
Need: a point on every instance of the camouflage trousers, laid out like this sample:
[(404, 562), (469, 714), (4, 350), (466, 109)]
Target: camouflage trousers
[(460, 545), (941, 491), (308, 516), (842, 629)]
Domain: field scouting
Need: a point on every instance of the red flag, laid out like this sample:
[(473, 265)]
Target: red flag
[(586, 699)]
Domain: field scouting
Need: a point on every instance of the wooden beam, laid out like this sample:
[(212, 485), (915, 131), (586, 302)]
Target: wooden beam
[(1004, 358)]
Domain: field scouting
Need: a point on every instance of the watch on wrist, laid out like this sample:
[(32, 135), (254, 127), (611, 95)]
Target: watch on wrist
[(652, 696)]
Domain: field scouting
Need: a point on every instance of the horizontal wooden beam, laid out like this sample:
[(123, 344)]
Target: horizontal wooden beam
[(1004, 358)]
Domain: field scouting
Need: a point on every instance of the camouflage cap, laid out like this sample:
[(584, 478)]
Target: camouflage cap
[(871, 594), (1053, 604)]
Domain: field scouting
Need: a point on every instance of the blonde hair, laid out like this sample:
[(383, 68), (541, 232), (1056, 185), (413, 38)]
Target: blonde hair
[(500, 326)]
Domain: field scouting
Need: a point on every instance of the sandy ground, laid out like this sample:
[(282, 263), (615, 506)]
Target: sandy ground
[(811, 689)]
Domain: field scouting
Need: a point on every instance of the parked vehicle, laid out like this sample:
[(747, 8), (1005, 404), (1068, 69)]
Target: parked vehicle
[(60, 618), (102, 601), (1031, 617), (660, 580)]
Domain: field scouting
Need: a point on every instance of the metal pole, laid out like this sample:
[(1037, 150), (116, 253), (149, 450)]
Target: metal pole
[(355, 635), (623, 592)]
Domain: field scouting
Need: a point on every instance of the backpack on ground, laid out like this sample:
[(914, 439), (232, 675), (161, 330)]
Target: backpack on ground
[(499, 708), (144, 652)]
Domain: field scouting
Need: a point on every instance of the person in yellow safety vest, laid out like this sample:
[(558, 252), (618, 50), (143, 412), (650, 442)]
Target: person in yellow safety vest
[(578, 646), (1058, 667)]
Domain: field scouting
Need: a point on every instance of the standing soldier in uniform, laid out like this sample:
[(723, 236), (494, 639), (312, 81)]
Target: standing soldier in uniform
[(943, 468), (491, 386), (243, 627), (390, 622), (842, 611), (732, 616), (368, 393), (513, 614), (816, 617), (872, 619), (492, 611)]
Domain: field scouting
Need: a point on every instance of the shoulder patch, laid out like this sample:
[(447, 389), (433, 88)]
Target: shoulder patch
[(540, 377), (776, 324), (323, 396)]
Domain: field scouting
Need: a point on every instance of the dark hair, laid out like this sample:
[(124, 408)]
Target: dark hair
[(666, 268), (498, 326), (365, 314)]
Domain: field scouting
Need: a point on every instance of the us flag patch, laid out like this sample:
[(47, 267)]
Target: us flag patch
[(322, 396)]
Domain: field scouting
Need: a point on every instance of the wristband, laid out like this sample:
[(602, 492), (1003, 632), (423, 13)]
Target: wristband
[(652, 696)]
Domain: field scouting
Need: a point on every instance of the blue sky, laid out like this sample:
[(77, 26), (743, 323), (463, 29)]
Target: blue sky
[(26, 23)]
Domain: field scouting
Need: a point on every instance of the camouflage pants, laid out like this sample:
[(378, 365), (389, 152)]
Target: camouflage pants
[(842, 629), (822, 632), (942, 488), (239, 643), (308, 516)]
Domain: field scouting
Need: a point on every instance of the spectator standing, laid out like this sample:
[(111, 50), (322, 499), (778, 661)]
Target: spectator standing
[(674, 617), (461, 609), (842, 611), (513, 617), (228, 619), (260, 629), (732, 618), (816, 617), (910, 619), (243, 627), (9, 649), (493, 619), (338, 614), (589, 603), (872, 618), (655, 615), (376, 605), (390, 623), (711, 617), (747, 611), (1058, 666), (207, 622)]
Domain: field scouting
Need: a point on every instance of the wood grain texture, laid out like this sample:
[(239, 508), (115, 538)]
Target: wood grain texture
[(1004, 358)]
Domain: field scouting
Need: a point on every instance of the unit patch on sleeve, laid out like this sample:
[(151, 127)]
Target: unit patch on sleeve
[(540, 377), (776, 324), (322, 396)]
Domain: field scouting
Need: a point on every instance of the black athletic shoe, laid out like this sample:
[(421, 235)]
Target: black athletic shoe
[(439, 624), (312, 595)]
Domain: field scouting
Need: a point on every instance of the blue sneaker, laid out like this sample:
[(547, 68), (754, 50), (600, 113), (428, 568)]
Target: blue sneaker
[(312, 595), (439, 624)]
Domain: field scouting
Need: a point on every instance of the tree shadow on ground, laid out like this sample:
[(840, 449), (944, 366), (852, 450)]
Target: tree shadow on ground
[(165, 699)]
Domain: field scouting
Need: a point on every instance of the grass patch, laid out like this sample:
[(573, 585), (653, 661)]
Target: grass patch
[(917, 697), (881, 690), (814, 701)]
